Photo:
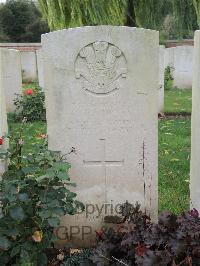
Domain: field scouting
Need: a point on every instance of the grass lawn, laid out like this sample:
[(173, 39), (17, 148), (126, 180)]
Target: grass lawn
[(30, 134), (174, 157), (174, 164), (29, 85), (178, 101)]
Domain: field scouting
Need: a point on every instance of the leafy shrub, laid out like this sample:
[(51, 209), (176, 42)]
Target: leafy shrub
[(168, 84), (174, 240), (34, 194), (30, 104), (80, 258)]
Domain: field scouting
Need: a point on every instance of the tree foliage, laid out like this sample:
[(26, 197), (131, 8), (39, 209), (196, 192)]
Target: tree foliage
[(64, 14), (21, 21), (196, 4), (185, 16), (70, 13), (174, 18)]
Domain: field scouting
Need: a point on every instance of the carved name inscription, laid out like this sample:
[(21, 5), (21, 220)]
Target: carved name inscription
[(100, 66)]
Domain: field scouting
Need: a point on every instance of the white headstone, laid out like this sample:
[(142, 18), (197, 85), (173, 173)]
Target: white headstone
[(161, 78), (40, 68), (29, 66), (169, 57), (195, 158), (3, 118), (101, 94), (11, 76), (183, 56), (180, 60)]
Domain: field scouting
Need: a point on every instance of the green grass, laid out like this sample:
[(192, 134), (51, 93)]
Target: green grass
[(178, 101), (174, 164), (29, 85), (174, 157), (30, 134)]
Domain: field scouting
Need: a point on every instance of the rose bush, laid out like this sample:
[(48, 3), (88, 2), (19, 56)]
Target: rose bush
[(34, 194), (30, 104), (28, 92)]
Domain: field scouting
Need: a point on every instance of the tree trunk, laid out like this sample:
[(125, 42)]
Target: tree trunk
[(130, 14)]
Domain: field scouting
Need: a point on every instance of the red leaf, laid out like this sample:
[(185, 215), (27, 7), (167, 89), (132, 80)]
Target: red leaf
[(140, 250)]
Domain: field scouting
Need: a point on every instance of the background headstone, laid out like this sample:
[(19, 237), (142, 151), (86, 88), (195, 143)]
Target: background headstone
[(183, 56), (161, 78), (11, 77), (29, 66), (169, 57), (180, 60), (102, 103), (3, 119), (195, 153), (40, 68)]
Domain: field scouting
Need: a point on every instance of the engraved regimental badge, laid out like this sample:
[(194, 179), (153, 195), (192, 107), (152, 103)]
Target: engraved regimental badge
[(101, 68)]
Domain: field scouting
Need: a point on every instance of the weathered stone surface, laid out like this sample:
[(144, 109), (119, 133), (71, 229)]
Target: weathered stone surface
[(102, 103), (3, 118), (40, 68), (29, 66), (11, 77), (161, 78), (195, 158)]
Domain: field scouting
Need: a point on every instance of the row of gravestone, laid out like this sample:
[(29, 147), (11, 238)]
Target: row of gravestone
[(11, 75), (101, 86), (178, 58), (30, 57), (11, 72)]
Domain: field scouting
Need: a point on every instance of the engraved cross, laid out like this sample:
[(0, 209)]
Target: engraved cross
[(104, 163)]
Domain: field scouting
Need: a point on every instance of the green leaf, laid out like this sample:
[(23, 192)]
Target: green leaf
[(42, 259), (15, 251), (11, 232), (41, 178), (50, 172), (1, 214), (63, 176), (53, 203), (71, 184), (29, 170), (70, 208), (17, 213), (12, 188), (61, 166), (23, 197), (44, 214), (59, 211), (54, 222), (79, 205), (4, 258), (71, 195), (54, 238), (4, 243), (24, 256), (11, 197)]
